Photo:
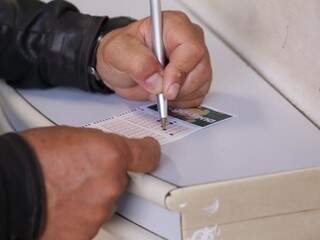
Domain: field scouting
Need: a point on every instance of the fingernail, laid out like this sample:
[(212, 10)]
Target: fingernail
[(154, 83), (173, 91)]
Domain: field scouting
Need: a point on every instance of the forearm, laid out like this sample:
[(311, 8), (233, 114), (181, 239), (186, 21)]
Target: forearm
[(22, 194), (45, 45)]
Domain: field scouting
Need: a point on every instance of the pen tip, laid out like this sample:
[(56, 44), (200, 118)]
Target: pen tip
[(164, 123)]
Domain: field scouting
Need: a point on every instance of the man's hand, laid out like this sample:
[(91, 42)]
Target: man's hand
[(127, 65), (85, 172)]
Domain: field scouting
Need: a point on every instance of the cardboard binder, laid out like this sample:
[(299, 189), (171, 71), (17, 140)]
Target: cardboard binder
[(264, 207), (274, 206)]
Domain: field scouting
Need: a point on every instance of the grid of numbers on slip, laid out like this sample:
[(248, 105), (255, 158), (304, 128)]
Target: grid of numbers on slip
[(124, 128), (142, 119), (151, 122), (175, 128)]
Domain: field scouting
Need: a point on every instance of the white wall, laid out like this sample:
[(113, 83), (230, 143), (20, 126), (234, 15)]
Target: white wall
[(280, 38)]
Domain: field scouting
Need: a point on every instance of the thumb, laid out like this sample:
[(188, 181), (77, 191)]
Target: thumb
[(145, 154)]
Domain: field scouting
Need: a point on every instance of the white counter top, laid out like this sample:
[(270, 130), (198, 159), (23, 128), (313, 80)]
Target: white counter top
[(269, 135)]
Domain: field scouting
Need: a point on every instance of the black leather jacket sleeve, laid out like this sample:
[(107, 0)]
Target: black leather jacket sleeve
[(22, 194), (41, 45), (49, 44)]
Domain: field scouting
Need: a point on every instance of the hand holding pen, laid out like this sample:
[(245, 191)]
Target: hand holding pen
[(127, 64)]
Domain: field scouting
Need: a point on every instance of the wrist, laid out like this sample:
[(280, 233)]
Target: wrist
[(95, 81)]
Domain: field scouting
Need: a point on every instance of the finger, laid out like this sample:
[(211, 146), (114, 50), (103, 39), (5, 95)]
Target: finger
[(129, 55), (174, 79), (181, 62), (145, 154), (187, 103), (136, 93), (185, 50), (198, 80), (201, 92)]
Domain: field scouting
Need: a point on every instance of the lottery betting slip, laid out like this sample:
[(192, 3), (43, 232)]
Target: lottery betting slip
[(143, 121)]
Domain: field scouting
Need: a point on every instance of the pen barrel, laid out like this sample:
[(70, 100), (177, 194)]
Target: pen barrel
[(162, 106), (158, 49), (157, 31)]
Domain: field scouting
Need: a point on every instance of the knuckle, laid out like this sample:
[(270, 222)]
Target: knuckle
[(116, 156), (115, 162), (199, 29), (198, 48), (121, 39), (113, 151), (180, 15), (118, 145)]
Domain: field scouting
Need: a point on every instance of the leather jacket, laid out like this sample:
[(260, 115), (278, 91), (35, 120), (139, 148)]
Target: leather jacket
[(41, 45), (45, 45)]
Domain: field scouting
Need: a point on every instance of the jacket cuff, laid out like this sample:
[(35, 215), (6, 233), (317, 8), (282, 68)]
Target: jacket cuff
[(24, 190)]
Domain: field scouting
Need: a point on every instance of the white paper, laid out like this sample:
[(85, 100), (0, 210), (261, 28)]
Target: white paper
[(144, 121)]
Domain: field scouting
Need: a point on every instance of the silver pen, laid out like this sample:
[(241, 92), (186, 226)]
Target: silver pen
[(158, 49)]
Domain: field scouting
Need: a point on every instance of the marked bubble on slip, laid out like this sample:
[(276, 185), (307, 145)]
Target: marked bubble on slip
[(143, 121)]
